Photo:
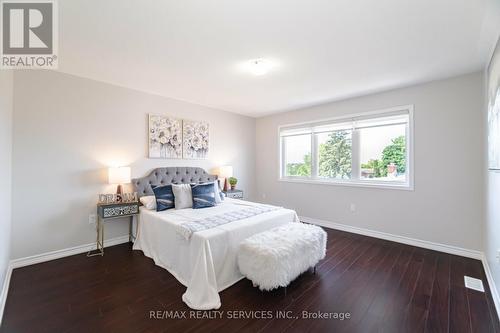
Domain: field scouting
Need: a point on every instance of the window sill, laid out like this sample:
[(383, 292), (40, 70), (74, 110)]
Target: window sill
[(366, 184)]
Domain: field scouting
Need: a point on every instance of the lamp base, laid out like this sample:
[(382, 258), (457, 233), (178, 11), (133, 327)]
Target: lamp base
[(226, 184), (119, 192)]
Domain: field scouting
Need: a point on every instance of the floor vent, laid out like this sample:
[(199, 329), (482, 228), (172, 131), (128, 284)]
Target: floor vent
[(473, 283)]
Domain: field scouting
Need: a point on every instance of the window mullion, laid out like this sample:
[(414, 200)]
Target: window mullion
[(408, 142), (355, 155), (283, 157), (314, 155)]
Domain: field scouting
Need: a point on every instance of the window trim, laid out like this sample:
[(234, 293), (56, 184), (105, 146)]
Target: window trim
[(410, 170)]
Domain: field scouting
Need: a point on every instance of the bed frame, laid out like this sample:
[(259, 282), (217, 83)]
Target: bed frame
[(170, 175)]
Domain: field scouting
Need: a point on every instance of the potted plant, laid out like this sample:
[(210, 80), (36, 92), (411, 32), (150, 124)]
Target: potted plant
[(233, 181)]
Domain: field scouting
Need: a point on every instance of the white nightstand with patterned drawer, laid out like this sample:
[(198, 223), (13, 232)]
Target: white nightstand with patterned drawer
[(235, 194), (112, 211)]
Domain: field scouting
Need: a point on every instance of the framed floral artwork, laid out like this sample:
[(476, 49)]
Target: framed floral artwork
[(493, 93), (494, 131), (165, 137), (195, 136)]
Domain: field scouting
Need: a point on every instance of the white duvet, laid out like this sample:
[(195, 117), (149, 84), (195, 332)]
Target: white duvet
[(206, 263)]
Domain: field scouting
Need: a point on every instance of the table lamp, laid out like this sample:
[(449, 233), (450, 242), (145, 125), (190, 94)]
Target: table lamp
[(119, 176), (226, 172)]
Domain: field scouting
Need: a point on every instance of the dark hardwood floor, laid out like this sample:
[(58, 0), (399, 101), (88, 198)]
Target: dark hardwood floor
[(384, 286)]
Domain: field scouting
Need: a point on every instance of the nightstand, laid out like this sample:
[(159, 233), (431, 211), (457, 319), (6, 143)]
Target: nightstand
[(112, 211), (235, 194)]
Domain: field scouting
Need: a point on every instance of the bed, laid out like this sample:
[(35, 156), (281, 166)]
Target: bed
[(206, 262)]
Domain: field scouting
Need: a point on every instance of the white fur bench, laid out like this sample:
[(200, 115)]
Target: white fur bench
[(276, 257)]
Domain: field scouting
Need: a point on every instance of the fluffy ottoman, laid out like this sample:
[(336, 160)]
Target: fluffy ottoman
[(276, 257)]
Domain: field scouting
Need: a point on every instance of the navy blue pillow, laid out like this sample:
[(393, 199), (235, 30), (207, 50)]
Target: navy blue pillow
[(164, 197), (203, 195)]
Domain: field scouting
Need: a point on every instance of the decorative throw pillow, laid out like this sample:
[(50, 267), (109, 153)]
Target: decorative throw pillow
[(219, 196), (164, 197), (182, 195), (149, 201), (203, 195), (219, 191)]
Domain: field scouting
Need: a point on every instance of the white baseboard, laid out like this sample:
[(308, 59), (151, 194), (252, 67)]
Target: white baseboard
[(5, 290), (491, 283), (38, 258), (395, 238), (31, 260)]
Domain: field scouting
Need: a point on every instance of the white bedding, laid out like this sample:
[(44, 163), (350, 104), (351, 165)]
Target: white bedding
[(206, 263)]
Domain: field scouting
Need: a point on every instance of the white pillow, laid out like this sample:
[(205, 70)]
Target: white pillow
[(149, 201), (182, 196)]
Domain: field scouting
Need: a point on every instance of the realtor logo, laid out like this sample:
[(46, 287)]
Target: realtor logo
[(29, 35)]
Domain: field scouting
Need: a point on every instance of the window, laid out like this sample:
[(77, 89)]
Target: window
[(372, 149), (297, 152)]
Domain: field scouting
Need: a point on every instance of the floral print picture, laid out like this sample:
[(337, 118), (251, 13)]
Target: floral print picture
[(195, 139), (494, 132), (165, 137)]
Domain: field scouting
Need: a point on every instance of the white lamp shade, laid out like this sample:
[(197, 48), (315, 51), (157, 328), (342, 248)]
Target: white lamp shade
[(226, 171), (119, 175)]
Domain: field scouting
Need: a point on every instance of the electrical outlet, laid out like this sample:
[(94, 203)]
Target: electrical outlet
[(352, 208), (92, 219), (498, 256), (263, 195)]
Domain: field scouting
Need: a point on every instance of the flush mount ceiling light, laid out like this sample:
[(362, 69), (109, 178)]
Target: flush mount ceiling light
[(259, 66)]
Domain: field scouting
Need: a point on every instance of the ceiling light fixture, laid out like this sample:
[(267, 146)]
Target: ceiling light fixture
[(259, 66)]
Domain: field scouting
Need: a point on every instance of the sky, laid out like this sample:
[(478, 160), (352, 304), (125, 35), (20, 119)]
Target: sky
[(374, 140)]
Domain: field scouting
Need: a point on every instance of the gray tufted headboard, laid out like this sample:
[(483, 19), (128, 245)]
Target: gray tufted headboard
[(170, 175)]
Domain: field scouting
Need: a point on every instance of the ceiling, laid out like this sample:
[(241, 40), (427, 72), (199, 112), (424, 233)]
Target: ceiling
[(324, 50)]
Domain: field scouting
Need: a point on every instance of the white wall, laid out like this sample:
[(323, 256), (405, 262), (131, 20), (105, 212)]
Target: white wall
[(492, 224), (67, 130), (6, 107), (447, 204)]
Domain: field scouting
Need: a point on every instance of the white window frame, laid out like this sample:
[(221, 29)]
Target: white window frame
[(408, 184)]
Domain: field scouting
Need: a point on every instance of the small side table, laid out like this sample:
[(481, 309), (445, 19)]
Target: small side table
[(112, 211), (235, 194)]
